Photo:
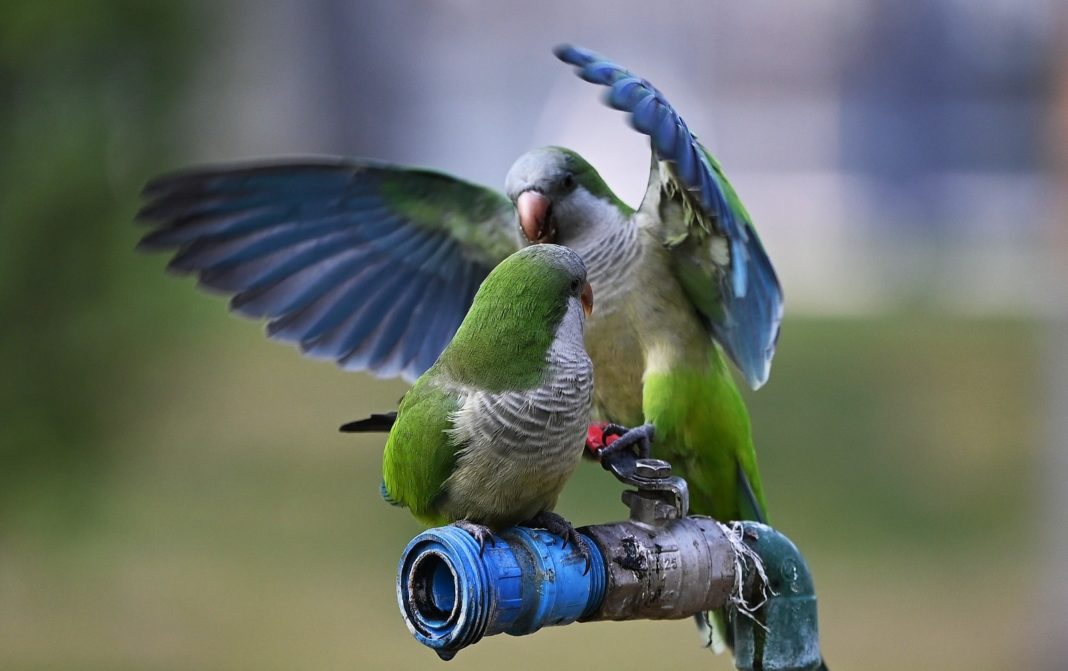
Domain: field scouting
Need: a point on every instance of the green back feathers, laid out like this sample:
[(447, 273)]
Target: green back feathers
[(591, 180), (502, 342)]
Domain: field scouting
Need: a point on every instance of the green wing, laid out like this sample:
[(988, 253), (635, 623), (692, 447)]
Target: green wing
[(420, 454)]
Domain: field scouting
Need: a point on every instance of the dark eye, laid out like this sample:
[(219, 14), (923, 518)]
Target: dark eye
[(568, 182), (574, 286)]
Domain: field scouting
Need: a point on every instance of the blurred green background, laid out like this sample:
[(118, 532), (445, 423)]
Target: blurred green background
[(173, 490)]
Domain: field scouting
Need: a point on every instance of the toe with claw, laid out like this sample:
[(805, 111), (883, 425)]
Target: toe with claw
[(558, 526), (639, 438), (479, 532), (598, 437)]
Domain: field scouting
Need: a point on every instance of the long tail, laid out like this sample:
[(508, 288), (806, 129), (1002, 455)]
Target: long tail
[(376, 423)]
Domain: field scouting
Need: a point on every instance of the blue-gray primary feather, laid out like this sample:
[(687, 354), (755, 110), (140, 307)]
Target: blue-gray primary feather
[(745, 309), (368, 264)]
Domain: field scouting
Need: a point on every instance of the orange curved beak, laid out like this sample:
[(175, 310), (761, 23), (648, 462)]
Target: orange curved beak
[(533, 209), (587, 299)]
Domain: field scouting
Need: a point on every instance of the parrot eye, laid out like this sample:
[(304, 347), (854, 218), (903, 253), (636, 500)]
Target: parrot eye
[(568, 182), (574, 286)]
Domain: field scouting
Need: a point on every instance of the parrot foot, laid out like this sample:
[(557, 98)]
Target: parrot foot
[(480, 532), (598, 438), (640, 437), (558, 526)]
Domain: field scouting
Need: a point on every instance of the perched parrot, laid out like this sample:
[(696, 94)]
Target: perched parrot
[(488, 436), (374, 266)]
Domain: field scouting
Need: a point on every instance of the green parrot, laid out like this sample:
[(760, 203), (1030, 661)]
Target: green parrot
[(488, 436), (679, 291), (374, 265), (682, 283)]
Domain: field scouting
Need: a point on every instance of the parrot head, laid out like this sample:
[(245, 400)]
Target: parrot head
[(558, 196), (555, 274), (515, 317), (525, 297)]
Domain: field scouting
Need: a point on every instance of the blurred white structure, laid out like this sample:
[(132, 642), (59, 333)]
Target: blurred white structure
[(890, 154)]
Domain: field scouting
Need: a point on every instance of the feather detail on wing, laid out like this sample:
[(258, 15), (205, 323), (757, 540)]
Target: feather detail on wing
[(368, 264), (719, 259)]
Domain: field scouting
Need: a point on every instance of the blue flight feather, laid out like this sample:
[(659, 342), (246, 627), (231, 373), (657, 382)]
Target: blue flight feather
[(364, 317), (375, 343), (339, 303), (411, 341), (271, 268), (321, 250), (750, 292)]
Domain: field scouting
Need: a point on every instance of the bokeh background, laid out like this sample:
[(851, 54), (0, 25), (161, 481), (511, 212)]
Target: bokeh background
[(173, 490)]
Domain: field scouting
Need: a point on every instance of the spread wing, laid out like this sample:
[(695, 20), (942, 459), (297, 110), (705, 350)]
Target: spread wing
[(368, 264), (718, 257)]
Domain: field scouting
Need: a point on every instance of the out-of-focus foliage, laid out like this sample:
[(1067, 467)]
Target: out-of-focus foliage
[(86, 91)]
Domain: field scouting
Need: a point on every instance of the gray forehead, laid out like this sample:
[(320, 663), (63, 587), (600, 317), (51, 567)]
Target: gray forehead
[(534, 167)]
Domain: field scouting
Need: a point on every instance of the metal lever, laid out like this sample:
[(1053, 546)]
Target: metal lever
[(661, 496)]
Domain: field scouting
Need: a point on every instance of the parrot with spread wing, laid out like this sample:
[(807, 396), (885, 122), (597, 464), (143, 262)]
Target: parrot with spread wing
[(374, 266), (488, 436)]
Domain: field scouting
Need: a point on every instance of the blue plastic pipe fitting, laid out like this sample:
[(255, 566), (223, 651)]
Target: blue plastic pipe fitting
[(451, 596)]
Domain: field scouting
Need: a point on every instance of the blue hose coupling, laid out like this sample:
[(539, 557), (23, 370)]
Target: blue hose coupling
[(451, 596)]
